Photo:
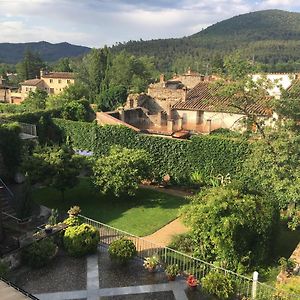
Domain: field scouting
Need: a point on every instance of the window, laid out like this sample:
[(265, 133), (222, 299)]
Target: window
[(59, 81), (51, 91), (51, 80), (68, 80), (26, 89)]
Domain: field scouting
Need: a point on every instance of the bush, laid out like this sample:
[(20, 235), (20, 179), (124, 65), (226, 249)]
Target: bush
[(122, 250), (73, 221), (39, 253), (218, 284), (182, 243), (80, 240)]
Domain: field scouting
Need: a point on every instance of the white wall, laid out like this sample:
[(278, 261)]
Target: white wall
[(280, 80)]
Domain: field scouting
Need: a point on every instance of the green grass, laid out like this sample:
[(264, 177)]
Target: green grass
[(141, 215)]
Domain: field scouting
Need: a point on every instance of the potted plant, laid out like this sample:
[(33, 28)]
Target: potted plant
[(74, 211), (172, 271), (192, 282), (150, 263)]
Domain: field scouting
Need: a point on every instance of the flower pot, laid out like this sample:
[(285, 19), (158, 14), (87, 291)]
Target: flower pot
[(193, 287)]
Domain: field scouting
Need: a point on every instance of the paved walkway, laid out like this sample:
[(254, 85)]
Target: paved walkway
[(163, 236), (93, 292)]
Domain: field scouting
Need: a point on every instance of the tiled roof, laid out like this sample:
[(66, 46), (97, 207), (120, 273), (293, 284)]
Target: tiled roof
[(32, 82), (204, 97), (295, 86), (59, 75)]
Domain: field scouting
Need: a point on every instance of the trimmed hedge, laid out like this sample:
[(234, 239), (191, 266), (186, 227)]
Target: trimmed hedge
[(81, 240), (211, 155), (39, 253), (122, 250), (10, 148)]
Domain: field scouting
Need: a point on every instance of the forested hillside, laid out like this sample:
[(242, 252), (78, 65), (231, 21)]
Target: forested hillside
[(271, 37), (13, 53)]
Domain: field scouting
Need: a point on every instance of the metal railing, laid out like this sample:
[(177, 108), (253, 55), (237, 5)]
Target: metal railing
[(6, 188), (28, 129), (245, 287), (28, 295)]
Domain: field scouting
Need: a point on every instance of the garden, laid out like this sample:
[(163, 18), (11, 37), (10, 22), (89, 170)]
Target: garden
[(141, 214)]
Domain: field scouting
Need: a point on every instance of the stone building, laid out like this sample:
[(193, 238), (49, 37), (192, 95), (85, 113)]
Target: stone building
[(185, 102), (51, 82)]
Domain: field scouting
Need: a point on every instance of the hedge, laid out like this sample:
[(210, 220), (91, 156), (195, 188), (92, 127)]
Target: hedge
[(211, 155), (10, 148)]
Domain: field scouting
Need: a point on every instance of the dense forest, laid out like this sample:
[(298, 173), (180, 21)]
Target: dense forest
[(270, 37), (13, 53)]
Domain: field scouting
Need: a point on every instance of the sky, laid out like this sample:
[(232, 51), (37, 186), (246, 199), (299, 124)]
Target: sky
[(96, 23)]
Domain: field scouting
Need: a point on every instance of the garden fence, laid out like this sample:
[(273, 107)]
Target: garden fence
[(246, 287)]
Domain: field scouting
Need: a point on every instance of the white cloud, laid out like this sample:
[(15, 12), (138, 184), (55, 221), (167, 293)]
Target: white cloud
[(99, 22)]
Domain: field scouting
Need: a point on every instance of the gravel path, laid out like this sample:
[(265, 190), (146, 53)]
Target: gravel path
[(64, 273)]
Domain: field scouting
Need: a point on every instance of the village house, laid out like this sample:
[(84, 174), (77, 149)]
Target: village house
[(188, 102), (51, 82)]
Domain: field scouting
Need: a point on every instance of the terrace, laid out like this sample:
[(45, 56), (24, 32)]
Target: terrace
[(97, 277)]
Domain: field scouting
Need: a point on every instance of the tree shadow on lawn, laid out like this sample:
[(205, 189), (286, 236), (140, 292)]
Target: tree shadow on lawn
[(105, 208)]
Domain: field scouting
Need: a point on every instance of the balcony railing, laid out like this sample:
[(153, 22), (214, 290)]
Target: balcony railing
[(246, 287)]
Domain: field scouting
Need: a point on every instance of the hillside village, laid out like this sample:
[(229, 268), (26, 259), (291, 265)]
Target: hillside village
[(123, 180)]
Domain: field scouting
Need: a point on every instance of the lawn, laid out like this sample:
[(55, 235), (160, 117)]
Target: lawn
[(141, 215)]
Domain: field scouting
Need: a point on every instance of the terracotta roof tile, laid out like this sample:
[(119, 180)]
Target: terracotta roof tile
[(62, 75), (32, 82), (204, 97)]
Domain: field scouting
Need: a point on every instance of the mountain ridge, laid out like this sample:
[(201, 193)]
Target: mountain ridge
[(13, 52)]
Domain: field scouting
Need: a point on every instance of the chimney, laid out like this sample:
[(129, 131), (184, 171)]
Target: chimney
[(185, 91), (162, 78), (42, 73)]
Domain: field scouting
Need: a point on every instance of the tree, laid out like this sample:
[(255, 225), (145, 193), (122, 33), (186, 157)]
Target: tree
[(30, 66), (121, 171), (232, 228), (92, 71), (35, 100), (63, 65), (112, 97), (58, 167), (242, 91), (132, 72)]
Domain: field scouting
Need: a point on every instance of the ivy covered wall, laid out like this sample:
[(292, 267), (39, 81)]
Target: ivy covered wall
[(212, 155), (10, 149)]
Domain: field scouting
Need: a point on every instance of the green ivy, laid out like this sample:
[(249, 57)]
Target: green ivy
[(10, 148), (212, 155)]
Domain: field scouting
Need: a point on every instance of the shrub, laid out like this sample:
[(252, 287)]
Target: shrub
[(73, 221), (218, 284), (172, 270), (182, 243), (122, 250), (80, 240), (39, 253)]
